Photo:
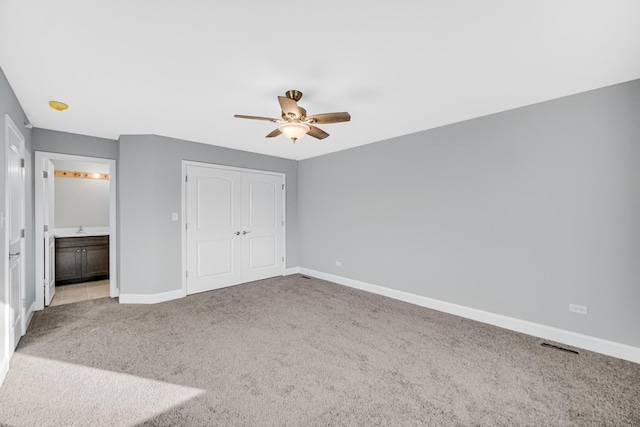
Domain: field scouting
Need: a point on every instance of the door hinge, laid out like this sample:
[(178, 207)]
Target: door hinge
[(186, 178), (45, 174), (22, 233), (283, 186), (283, 222), (187, 274), (24, 303), (46, 228), (186, 226), (282, 259), (22, 163)]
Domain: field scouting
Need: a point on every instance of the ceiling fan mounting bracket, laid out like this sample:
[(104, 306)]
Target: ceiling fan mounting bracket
[(296, 95)]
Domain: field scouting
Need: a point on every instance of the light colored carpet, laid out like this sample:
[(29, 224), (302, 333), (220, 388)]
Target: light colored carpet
[(293, 351)]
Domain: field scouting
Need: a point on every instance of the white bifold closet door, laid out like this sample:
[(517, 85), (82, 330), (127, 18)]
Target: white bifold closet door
[(235, 227)]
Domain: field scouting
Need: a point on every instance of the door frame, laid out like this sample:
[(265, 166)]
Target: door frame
[(10, 127), (186, 163), (39, 224)]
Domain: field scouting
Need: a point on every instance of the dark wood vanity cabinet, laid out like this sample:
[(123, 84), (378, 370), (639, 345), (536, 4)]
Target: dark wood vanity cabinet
[(82, 259)]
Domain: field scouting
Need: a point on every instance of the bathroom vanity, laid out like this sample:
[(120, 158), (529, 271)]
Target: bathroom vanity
[(81, 259)]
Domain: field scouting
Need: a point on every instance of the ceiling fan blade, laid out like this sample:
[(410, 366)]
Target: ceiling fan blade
[(330, 118), (289, 107), (275, 132), (269, 119), (317, 132)]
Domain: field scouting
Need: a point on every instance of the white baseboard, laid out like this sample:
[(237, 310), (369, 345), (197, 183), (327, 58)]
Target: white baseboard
[(4, 369), (114, 291), (151, 298), (30, 313), (598, 345), (290, 271), (171, 295)]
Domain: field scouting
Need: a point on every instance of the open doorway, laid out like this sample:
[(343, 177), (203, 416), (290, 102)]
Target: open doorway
[(75, 214)]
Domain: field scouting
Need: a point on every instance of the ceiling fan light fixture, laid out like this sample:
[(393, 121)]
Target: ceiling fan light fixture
[(294, 130)]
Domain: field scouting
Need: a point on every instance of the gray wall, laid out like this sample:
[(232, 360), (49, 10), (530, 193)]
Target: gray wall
[(9, 105), (518, 213), (70, 143), (150, 184)]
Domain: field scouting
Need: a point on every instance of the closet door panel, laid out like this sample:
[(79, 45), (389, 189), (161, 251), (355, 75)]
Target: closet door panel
[(262, 221), (214, 217)]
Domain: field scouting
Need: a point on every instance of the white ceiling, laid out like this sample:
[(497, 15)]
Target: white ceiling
[(184, 68)]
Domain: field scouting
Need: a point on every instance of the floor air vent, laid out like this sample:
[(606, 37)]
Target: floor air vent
[(544, 344), (306, 277)]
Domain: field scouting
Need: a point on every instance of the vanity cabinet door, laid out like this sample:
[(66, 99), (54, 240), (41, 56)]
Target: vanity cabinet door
[(95, 261), (68, 263)]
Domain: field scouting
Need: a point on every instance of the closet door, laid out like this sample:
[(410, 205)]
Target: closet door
[(213, 228), (262, 226)]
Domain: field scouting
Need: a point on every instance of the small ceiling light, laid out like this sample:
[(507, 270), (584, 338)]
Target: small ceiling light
[(294, 130), (57, 105)]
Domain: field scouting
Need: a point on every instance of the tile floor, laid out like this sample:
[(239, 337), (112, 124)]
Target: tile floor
[(66, 294)]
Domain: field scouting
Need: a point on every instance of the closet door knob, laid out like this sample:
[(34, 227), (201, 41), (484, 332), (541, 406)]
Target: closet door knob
[(245, 232), (237, 233)]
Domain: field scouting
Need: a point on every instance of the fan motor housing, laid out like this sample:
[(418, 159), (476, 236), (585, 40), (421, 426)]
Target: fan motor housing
[(303, 114)]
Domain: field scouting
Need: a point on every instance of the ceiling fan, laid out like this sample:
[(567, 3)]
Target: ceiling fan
[(295, 123)]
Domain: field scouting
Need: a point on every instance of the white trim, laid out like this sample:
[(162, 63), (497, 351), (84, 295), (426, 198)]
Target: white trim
[(231, 168), (30, 312), (284, 220), (4, 369), (114, 288), (26, 154), (183, 223), (151, 298), (38, 232), (113, 220), (290, 271), (598, 345)]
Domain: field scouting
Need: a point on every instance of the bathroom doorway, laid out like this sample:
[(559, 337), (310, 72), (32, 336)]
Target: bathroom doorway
[(75, 228)]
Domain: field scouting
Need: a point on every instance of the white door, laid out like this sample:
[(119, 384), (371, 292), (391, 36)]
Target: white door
[(15, 229), (235, 227), (48, 202), (262, 225), (213, 228)]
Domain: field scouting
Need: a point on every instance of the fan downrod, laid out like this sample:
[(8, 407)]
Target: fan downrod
[(296, 95)]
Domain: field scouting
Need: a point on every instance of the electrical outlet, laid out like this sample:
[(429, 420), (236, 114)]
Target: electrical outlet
[(580, 309), (338, 264)]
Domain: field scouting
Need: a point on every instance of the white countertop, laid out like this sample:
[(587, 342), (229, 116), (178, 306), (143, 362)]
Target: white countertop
[(83, 234), (86, 232)]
